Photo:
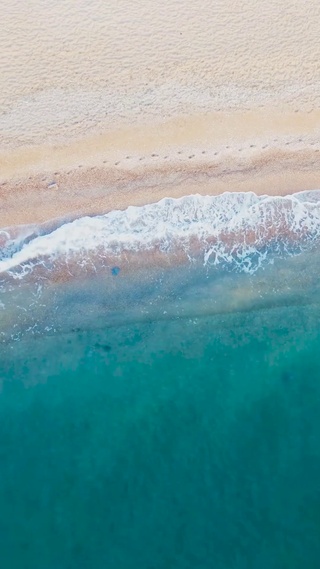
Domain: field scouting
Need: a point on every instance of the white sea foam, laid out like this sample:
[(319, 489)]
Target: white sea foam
[(231, 226)]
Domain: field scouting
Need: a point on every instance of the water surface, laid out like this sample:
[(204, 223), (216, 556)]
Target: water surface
[(166, 417)]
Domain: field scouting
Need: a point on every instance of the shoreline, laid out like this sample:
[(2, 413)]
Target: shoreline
[(106, 105), (206, 154)]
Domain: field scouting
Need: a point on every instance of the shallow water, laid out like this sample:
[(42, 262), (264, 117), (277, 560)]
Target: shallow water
[(162, 417)]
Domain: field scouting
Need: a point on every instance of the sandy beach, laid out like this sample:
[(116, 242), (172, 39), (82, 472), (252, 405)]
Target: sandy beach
[(105, 105)]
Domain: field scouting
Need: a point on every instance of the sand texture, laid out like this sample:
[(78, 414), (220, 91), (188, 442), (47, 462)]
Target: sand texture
[(105, 104)]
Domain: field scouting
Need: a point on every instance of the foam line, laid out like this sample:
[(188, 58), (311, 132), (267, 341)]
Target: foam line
[(237, 223)]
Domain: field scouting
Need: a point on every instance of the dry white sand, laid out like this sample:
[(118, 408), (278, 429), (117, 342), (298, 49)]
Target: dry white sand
[(108, 103)]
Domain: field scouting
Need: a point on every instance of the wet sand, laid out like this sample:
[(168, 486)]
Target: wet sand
[(111, 104)]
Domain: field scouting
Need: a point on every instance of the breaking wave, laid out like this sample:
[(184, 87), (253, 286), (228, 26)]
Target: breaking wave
[(177, 258), (236, 230)]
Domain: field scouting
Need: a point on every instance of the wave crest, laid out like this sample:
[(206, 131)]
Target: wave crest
[(237, 229)]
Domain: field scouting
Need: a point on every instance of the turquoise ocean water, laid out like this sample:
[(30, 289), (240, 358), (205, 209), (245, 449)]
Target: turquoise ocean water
[(168, 418)]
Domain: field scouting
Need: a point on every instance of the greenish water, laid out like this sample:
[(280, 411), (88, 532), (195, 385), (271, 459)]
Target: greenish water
[(186, 443)]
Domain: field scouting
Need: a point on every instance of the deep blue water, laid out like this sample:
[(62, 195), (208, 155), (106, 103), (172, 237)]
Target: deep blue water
[(182, 443)]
